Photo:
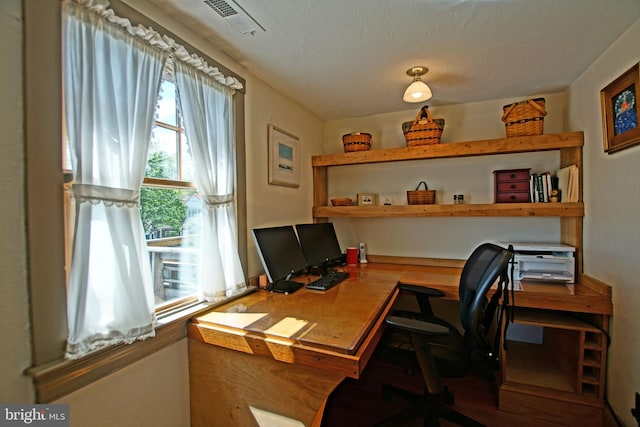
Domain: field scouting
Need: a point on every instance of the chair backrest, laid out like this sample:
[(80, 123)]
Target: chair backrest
[(486, 264)]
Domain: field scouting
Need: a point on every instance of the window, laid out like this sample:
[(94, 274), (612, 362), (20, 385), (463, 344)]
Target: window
[(44, 119), (170, 207), (146, 208)]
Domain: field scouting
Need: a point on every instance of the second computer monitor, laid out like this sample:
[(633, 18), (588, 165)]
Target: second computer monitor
[(279, 252), (319, 243)]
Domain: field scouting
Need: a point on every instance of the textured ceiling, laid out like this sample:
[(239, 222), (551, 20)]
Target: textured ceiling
[(347, 58)]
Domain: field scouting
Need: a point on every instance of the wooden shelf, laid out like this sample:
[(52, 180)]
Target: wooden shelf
[(530, 365), (569, 144), (554, 319), (522, 144), (465, 210)]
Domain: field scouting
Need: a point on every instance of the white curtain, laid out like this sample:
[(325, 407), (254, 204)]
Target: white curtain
[(207, 109), (111, 82)]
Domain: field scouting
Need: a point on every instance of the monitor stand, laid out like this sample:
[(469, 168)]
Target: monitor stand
[(285, 285)]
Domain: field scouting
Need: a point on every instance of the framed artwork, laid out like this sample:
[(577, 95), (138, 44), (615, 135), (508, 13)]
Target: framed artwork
[(284, 158), (367, 199), (619, 101)]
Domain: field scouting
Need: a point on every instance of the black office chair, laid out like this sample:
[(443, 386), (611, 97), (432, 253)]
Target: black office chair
[(441, 350)]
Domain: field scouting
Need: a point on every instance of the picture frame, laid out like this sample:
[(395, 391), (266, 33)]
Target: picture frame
[(619, 102), (284, 158), (367, 199)]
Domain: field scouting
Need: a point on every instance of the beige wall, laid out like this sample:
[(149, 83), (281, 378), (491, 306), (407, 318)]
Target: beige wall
[(153, 391), (15, 351), (473, 177), (271, 205), (611, 232)]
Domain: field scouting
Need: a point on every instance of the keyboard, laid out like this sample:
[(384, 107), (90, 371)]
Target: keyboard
[(328, 281)]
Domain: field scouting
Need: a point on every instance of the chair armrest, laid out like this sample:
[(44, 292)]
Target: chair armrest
[(421, 290), (417, 326)]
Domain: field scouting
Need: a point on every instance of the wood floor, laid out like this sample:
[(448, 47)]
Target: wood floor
[(359, 403)]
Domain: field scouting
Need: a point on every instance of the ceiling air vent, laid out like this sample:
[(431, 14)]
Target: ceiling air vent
[(235, 15)]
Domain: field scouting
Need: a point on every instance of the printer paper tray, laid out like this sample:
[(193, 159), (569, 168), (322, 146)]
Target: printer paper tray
[(560, 276)]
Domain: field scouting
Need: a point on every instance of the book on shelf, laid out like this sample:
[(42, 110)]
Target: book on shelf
[(569, 183), (541, 185)]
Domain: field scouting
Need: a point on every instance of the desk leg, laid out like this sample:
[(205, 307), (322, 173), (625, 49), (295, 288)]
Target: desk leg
[(224, 383)]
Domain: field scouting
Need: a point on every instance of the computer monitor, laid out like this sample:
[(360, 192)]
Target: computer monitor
[(279, 252), (319, 244)]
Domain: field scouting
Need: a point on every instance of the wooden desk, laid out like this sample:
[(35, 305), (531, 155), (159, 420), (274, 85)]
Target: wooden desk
[(560, 378), (308, 341), (311, 340)]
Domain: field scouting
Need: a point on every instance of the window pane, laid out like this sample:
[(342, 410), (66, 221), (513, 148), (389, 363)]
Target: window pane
[(166, 109), (171, 220), (163, 159), (187, 159)]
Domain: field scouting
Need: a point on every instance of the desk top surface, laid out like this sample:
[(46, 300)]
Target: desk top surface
[(588, 296), (337, 320)]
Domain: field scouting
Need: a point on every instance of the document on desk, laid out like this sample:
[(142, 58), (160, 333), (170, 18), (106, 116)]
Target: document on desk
[(269, 419), (287, 327), (235, 320)]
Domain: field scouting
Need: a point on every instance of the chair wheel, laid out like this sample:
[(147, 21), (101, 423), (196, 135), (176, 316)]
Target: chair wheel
[(387, 394), (448, 397)]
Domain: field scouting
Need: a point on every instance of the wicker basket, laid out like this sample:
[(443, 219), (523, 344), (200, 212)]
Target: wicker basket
[(421, 197), (524, 117), (424, 129), (341, 201), (356, 141)]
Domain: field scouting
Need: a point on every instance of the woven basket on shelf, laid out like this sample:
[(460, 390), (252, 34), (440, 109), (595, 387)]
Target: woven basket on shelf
[(524, 117), (356, 141), (421, 197), (424, 129), (341, 201)]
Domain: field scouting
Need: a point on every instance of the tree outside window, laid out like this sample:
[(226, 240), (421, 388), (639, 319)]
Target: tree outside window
[(169, 204)]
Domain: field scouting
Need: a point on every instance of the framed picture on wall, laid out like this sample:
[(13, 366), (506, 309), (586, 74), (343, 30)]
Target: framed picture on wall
[(284, 158), (619, 101)]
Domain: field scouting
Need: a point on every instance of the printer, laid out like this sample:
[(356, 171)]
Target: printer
[(547, 262)]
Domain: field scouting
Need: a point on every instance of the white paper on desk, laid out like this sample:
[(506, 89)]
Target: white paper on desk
[(287, 327), (269, 419), (236, 320)]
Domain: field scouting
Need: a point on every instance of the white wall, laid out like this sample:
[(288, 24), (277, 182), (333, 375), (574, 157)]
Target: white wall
[(473, 177), (271, 205), (15, 351), (153, 391), (611, 232)]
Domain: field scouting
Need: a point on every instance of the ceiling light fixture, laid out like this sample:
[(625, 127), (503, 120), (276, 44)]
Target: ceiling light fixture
[(418, 91)]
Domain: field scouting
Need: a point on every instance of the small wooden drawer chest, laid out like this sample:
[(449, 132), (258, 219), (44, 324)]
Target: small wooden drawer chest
[(512, 186)]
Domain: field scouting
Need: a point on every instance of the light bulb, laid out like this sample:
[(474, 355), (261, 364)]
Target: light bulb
[(418, 91)]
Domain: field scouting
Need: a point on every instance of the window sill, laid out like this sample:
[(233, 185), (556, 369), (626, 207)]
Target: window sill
[(61, 377)]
